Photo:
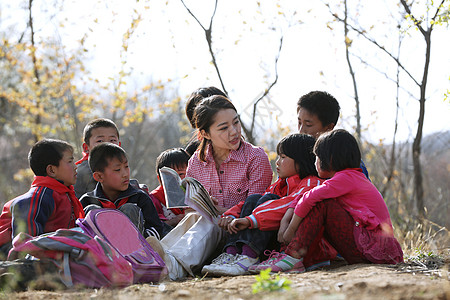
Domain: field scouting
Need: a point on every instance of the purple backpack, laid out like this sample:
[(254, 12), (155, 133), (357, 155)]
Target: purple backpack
[(81, 259), (116, 229)]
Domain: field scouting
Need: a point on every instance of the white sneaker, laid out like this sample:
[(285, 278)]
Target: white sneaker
[(239, 266), (220, 260)]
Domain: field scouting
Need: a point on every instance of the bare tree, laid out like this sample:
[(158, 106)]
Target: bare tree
[(425, 28), (249, 131), (352, 73)]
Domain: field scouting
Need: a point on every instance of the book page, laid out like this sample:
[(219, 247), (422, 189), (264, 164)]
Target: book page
[(173, 190), (199, 199)]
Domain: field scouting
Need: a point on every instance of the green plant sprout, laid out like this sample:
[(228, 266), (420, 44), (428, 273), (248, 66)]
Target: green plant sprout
[(267, 283)]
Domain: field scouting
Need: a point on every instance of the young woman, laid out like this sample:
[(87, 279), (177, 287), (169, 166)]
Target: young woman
[(253, 223), (229, 168), (347, 209)]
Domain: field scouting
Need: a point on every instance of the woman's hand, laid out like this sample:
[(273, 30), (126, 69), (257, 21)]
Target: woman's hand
[(238, 225), (219, 208), (224, 222)]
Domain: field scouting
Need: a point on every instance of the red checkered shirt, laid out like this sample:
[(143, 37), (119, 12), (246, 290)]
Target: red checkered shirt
[(245, 172)]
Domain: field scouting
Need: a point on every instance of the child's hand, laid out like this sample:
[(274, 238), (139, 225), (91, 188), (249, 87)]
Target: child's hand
[(284, 223), (224, 222), (238, 225), (288, 235)]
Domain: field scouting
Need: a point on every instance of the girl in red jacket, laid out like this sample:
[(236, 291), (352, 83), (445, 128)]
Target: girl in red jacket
[(253, 223)]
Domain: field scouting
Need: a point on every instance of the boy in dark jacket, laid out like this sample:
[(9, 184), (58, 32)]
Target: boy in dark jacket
[(109, 165), (50, 204)]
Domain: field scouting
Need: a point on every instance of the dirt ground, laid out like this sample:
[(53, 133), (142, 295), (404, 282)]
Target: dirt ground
[(336, 282)]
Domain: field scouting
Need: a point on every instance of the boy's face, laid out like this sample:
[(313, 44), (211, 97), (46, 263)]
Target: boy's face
[(66, 171), (100, 135), (116, 176), (181, 171), (309, 123)]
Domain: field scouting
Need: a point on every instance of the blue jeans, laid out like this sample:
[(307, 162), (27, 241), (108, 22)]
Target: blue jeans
[(255, 238)]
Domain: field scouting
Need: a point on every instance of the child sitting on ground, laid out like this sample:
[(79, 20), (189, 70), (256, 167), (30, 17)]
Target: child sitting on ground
[(253, 222), (347, 210), (177, 159), (109, 163), (50, 204), (95, 132)]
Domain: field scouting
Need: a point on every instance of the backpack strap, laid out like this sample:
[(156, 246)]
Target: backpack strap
[(65, 275)]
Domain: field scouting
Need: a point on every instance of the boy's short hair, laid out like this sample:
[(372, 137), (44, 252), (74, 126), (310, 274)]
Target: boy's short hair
[(197, 96), (337, 150), (322, 104), (175, 157), (101, 154), (47, 152), (101, 122)]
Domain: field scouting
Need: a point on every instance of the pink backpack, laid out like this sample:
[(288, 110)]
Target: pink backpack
[(116, 229), (81, 259)]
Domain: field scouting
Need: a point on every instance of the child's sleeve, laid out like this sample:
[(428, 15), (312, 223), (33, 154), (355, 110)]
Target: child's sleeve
[(332, 188), (234, 211), (30, 214), (151, 218)]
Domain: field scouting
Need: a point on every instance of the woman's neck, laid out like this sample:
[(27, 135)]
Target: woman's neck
[(220, 155)]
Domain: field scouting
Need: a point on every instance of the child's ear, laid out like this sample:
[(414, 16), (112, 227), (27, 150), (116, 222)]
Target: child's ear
[(330, 126), (50, 170), (98, 176), (85, 148)]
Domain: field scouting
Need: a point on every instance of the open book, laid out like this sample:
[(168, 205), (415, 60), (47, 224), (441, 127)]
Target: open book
[(187, 193)]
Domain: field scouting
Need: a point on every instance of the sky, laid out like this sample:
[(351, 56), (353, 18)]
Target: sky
[(169, 44)]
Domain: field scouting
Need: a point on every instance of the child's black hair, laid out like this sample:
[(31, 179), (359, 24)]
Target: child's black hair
[(321, 104), (175, 157), (47, 152), (299, 146), (101, 122), (101, 154), (192, 146), (337, 150)]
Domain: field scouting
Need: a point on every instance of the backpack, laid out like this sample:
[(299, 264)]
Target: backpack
[(80, 258), (117, 230)]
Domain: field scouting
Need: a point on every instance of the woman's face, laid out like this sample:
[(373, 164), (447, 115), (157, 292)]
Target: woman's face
[(225, 131)]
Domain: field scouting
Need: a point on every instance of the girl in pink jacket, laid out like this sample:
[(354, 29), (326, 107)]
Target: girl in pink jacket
[(347, 210)]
